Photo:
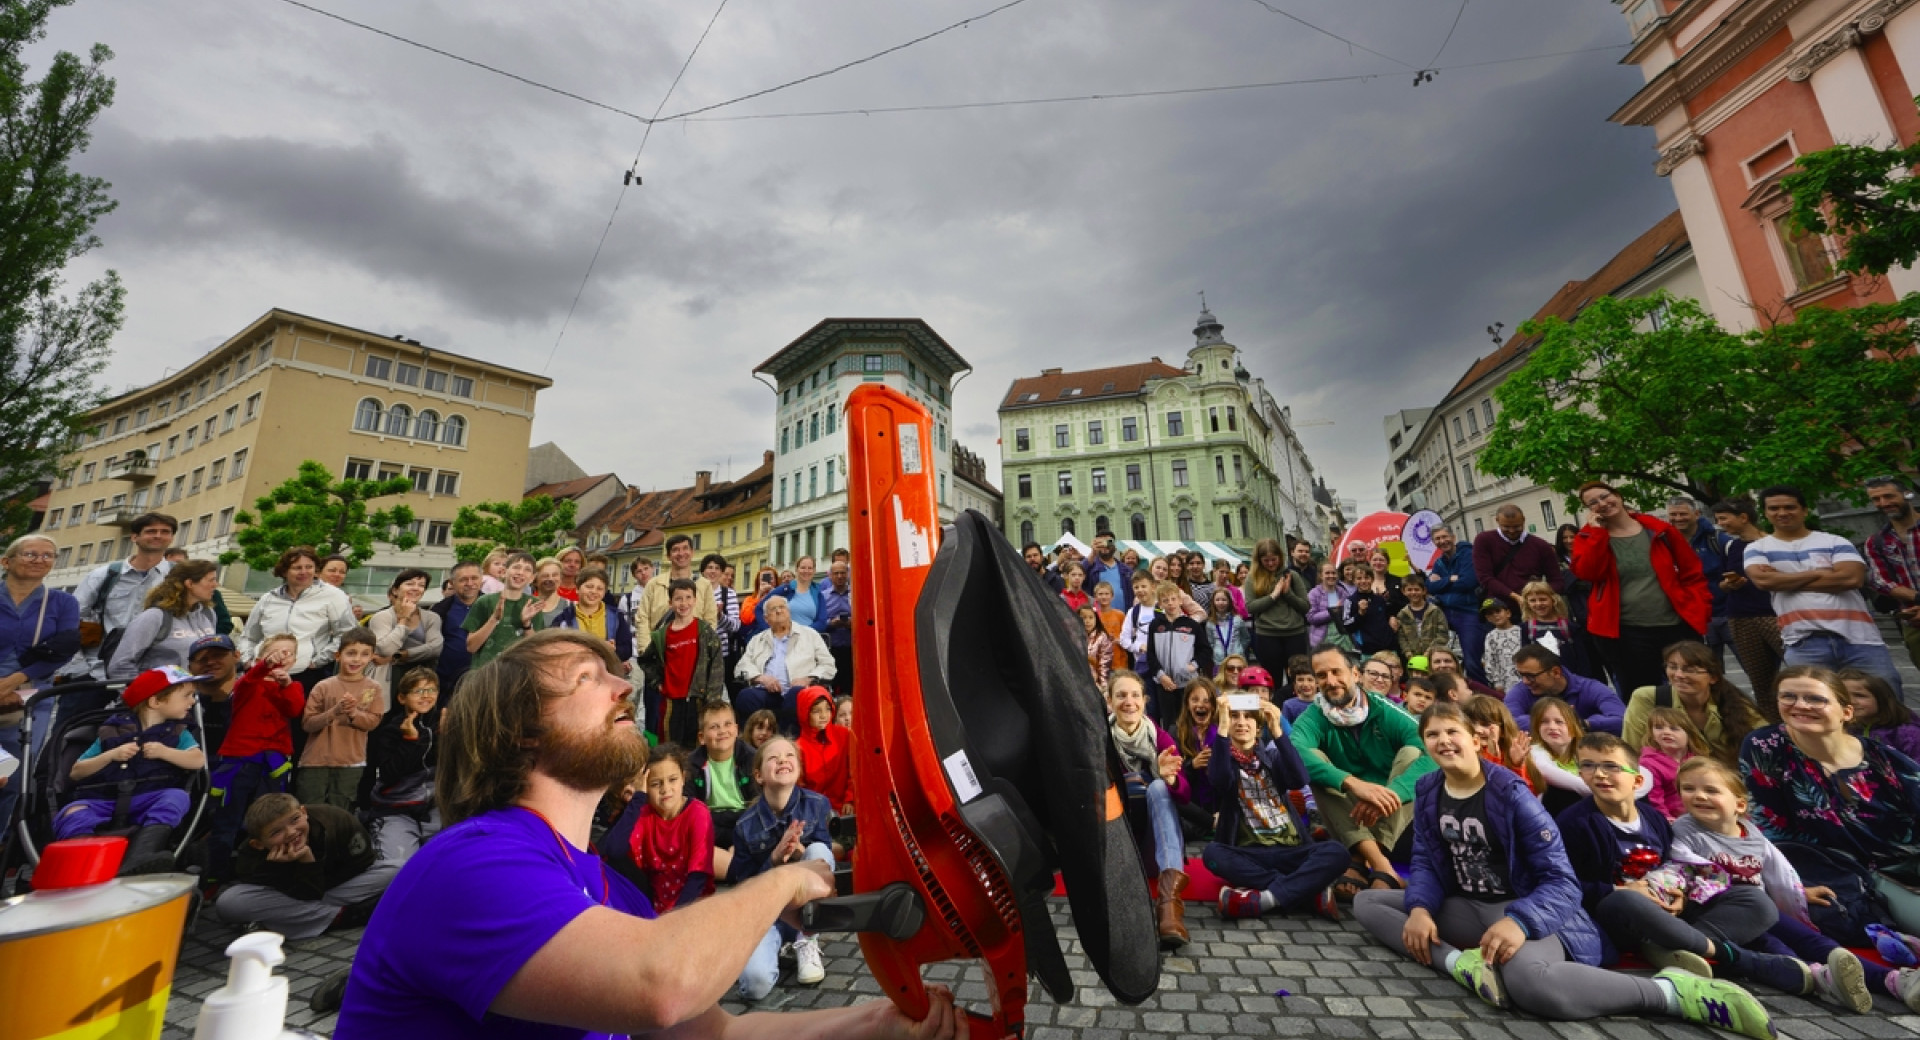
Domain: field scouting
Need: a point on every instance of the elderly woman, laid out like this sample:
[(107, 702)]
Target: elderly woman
[(1648, 589), (312, 611), (1697, 685), (1815, 783), (179, 613), (39, 632), (405, 636), (779, 663)]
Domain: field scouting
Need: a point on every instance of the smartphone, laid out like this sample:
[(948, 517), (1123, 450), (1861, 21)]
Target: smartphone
[(1243, 702)]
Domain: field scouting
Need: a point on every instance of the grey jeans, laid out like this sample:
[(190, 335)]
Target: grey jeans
[(274, 910), (1539, 977)]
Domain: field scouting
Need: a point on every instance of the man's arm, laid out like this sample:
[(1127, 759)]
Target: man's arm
[(88, 593), (1845, 576)]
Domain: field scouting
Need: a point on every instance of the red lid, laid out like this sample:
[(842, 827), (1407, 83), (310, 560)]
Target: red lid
[(79, 862)]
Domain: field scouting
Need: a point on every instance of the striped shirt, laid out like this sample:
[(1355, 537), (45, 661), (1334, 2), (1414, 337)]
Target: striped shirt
[(1845, 614)]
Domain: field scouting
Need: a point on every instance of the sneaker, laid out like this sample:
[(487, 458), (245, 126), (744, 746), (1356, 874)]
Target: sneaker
[(1722, 1005), (1891, 947), (1786, 974), (1843, 981), (1239, 903), (1325, 905), (327, 997), (1473, 972), (807, 969), (1906, 982), (1685, 960)]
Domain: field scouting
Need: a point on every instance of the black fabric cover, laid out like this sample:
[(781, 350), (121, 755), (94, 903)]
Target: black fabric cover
[(1005, 677)]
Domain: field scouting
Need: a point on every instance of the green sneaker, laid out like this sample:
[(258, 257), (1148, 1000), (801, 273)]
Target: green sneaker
[(1473, 972), (1686, 960), (1722, 1005)]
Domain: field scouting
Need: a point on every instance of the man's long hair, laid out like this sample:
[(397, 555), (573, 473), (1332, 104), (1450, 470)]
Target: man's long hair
[(491, 734)]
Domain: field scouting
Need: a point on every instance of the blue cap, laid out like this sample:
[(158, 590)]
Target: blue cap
[(210, 643)]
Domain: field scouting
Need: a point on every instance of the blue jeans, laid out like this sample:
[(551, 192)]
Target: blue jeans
[(1467, 625), (1825, 648), (1169, 845), (763, 967), (1295, 874)]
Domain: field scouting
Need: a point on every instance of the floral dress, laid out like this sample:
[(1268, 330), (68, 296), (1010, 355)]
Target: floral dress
[(1870, 813)]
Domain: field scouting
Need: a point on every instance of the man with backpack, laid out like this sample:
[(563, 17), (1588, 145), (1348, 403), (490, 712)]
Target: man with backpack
[(116, 591)]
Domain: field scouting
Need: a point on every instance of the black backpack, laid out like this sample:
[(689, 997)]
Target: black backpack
[(1856, 904)]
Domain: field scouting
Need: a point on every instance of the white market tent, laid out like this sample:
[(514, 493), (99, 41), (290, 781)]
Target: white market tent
[(1212, 550)]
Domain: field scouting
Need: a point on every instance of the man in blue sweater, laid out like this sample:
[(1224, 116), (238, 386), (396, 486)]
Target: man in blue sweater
[(1541, 675), (1452, 584)]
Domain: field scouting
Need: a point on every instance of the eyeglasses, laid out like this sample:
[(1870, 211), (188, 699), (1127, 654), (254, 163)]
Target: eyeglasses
[(1607, 769), (1375, 673), (34, 557), (1529, 677), (1685, 669), (1810, 700)]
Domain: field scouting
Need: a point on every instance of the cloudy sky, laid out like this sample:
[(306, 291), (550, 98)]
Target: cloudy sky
[(1355, 237)]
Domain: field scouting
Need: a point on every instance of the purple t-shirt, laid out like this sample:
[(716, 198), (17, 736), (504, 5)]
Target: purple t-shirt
[(465, 913)]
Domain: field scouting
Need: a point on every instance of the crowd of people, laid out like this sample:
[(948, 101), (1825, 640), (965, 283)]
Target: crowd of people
[(1523, 767)]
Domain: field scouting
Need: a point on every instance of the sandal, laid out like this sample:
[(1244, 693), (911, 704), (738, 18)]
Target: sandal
[(1348, 885), (1381, 877)]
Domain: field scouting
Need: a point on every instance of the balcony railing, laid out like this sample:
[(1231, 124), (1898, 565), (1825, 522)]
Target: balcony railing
[(136, 468), (117, 516)]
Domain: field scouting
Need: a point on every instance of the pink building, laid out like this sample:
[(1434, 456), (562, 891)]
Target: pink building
[(1735, 91)]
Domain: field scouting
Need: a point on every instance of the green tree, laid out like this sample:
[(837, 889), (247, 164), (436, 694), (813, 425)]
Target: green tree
[(1865, 196), (51, 346), (1819, 402), (332, 517), (531, 523)]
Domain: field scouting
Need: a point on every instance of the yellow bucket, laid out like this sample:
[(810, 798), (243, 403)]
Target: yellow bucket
[(93, 962)]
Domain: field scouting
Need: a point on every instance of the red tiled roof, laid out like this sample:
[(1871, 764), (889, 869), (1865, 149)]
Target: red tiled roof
[(1119, 381), (721, 501), (1641, 255), (571, 488)]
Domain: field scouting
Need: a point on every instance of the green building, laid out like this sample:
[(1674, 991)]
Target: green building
[(1149, 451)]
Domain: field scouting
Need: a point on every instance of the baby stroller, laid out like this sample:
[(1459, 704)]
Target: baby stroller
[(72, 724)]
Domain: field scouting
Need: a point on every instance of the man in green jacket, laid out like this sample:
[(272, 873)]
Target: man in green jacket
[(1363, 756)]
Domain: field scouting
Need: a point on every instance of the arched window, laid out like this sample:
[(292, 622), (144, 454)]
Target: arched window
[(1100, 524), (1185, 520), (1138, 525), (399, 421), (453, 431), (427, 427), (367, 416), (1066, 525), (1026, 532)]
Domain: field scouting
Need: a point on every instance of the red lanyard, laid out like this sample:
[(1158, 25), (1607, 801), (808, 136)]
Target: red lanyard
[(606, 886)]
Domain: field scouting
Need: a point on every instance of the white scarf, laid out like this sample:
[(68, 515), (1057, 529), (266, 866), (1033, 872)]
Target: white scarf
[(1352, 715), (1139, 750)]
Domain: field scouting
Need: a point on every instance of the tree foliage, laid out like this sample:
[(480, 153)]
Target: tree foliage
[(532, 523), (51, 346), (1863, 195), (331, 516), (1820, 402)]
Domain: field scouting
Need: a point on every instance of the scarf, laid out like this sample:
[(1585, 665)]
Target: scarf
[(1350, 716), (1140, 750), (1263, 808)]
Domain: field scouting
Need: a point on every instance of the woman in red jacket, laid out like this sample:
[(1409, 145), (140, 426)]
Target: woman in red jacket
[(1648, 589)]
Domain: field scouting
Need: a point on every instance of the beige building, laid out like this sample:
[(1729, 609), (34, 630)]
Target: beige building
[(207, 441)]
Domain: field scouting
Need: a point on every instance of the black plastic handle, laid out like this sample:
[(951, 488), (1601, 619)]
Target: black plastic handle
[(895, 911)]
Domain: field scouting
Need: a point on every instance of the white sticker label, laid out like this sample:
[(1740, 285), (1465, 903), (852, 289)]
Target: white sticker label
[(960, 771), (916, 548), (909, 448)]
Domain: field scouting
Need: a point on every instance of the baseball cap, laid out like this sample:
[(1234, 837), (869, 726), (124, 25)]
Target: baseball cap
[(1254, 675), (211, 643), (1417, 664), (155, 681)]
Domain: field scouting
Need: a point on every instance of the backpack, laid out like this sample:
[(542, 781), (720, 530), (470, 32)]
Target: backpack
[(1856, 903), (110, 640)]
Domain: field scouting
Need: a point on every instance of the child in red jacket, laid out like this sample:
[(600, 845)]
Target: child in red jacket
[(256, 757), (825, 748)]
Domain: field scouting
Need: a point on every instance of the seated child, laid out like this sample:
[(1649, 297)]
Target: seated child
[(1193, 734), (305, 869), (340, 712), (716, 775), (1305, 687), (825, 765), (788, 823), (843, 713), (1557, 733), (147, 752), (760, 727), (1501, 739), (1618, 846), (1421, 693), (1263, 847), (400, 759), (1671, 740), (1878, 712), (672, 840), (1152, 763), (256, 757)]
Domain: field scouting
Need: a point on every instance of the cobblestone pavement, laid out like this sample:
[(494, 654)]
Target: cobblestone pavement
[(1224, 984)]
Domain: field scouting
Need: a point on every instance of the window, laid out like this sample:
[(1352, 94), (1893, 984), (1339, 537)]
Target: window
[(454, 431), (226, 522), (186, 398), (813, 483), (1213, 420), (1243, 522), (407, 375), (120, 425), (86, 473), (1233, 423), (1025, 485), (813, 427), (66, 553), (439, 532), (784, 432), (1473, 423), (239, 463), (462, 386), (165, 406), (179, 487), (1185, 524), (216, 473), (1180, 473), (1546, 513), (230, 418), (1486, 409), (359, 469), (1099, 481), (1066, 525), (1100, 524), (422, 479), (85, 554), (1022, 439), (220, 379), (874, 363), (437, 382), (1176, 426), (1458, 433), (253, 408), (1096, 432), (399, 421), (1066, 481), (1807, 255), (240, 363), (379, 368), (206, 527), (783, 492), (831, 425), (940, 436), (206, 432), (366, 418), (427, 427), (388, 471), (1466, 476), (1479, 526), (1062, 436), (1219, 469), (54, 518), (140, 417), (943, 486), (1026, 534), (1129, 429), (1642, 13), (1137, 526), (1133, 478), (1239, 477), (1226, 525), (830, 465), (199, 476)]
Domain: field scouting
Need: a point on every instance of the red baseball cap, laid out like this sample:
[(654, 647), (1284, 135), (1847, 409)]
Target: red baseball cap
[(156, 681)]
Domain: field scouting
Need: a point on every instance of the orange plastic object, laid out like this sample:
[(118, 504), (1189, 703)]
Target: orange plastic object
[(909, 817), (79, 862)]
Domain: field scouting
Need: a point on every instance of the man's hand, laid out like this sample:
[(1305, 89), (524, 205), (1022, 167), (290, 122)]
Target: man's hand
[(1371, 801), (811, 880), (943, 1022), (1166, 681), (769, 683), (1820, 895), (1419, 935), (1502, 941)]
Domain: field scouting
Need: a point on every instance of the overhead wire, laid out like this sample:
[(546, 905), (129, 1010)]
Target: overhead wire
[(1457, 15), (1290, 16)]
